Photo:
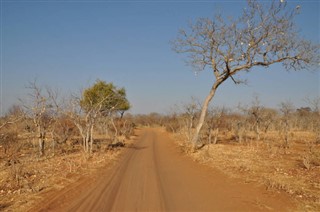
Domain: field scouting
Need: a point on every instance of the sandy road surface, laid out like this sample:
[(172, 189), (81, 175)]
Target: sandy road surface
[(153, 176)]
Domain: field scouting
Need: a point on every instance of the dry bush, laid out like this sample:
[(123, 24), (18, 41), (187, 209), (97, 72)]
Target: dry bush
[(284, 156), (16, 173), (149, 120), (184, 145), (172, 125), (64, 129), (121, 128), (277, 148), (306, 161), (10, 144), (126, 128)]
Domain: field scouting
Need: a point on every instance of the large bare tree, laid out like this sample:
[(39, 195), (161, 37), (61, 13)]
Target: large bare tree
[(264, 34)]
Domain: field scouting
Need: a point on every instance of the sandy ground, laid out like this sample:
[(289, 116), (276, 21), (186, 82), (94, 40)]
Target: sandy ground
[(152, 175)]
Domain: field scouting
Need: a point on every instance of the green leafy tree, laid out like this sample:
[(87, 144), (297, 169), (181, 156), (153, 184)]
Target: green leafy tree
[(123, 104), (106, 96), (101, 99)]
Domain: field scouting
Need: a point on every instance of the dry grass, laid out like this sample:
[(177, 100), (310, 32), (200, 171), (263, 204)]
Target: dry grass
[(295, 170), (25, 181)]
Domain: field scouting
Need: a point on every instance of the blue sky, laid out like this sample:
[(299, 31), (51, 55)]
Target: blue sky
[(69, 44)]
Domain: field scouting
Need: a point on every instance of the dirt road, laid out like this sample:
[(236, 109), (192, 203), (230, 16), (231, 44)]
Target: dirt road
[(153, 175)]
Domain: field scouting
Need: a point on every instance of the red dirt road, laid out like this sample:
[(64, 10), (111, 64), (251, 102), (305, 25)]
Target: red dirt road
[(153, 175)]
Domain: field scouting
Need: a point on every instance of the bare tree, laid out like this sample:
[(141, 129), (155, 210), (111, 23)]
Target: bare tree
[(255, 111), (286, 109), (263, 35), (315, 107), (314, 104), (189, 115), (242, 124), (14, 115), (214, 123), (259, 117), (41, 107)]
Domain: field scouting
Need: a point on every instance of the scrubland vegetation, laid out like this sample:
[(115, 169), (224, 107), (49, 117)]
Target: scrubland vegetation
[(276, 147), (47, 141)]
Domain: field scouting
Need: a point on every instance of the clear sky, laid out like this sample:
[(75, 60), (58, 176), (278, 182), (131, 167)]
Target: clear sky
[(69, 44)]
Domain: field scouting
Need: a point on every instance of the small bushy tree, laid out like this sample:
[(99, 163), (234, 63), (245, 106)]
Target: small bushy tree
[(100, 100)]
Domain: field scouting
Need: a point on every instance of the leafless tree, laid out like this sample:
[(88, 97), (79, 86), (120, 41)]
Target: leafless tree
[(315, 107), (14, 115), (172, 122), (314, 104), (260, 117), (264, 34), (242, 125), (214, 123), (255, 111), (63, 128), (10, 126), (268, 117), (41, 106), (286, 109), (189, 116)]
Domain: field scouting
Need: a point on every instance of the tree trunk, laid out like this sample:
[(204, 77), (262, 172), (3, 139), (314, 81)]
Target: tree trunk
[(53, 142), (121, 114), (106, 128), (203, 113), (84, 142), (41, 146), (216, 134), (258, 132), (86, 145), (91, 139), (115, 128), (209, 136), (41, 140)]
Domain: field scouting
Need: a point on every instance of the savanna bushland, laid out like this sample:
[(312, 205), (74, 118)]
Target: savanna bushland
[(275, 147), (48, 141)]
